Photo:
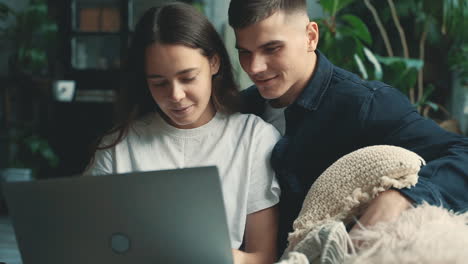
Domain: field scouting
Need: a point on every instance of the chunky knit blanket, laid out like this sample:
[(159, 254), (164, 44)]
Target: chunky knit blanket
[(341, 194), (426, 234)]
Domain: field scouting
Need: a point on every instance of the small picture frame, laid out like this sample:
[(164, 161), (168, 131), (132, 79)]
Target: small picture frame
[(64, 90)]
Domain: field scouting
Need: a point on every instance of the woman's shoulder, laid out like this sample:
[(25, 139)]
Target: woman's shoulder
[(252, 122), (135, 129), (247, 118)]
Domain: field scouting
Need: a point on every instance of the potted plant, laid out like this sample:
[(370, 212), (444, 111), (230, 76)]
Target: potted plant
[(33, 37), (29, 155), (404, 33)]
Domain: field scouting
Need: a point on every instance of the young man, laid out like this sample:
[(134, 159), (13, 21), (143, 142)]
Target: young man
[(325, 112)]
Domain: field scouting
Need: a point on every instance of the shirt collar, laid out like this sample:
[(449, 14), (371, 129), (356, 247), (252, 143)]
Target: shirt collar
[(312, 94)]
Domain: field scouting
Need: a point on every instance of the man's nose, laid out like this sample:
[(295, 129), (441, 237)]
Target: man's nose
[(257, 64)]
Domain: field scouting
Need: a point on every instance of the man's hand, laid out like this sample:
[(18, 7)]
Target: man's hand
[(386, 207)]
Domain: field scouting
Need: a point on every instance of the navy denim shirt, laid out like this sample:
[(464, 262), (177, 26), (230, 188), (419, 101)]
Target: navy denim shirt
[(338, 113)]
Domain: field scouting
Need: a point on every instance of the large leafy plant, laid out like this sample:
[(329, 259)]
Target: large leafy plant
[(344, 36), (434, 23), (34, 36), (344, 39), (30, 150)]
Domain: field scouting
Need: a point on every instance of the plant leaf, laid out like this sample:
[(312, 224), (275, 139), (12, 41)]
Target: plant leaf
[(378, 73), (427, 92), (361, 67), (454, 14), (359, 28), (342, 4), (332, 7), (409, 63), (433, 105), (327, 5)]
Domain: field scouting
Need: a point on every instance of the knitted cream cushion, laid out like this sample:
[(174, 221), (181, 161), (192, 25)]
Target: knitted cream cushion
[(345, 188)]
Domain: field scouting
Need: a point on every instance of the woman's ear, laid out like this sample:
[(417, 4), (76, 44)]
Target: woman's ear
[(214, 64)]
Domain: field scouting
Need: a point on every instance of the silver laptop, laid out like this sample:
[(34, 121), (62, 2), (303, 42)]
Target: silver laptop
[(172, 216)]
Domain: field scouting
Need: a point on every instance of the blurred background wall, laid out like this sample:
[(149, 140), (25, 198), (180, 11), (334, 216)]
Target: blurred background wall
[(60, 61)]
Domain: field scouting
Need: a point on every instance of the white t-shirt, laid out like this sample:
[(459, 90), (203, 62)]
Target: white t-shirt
[(239, 145)]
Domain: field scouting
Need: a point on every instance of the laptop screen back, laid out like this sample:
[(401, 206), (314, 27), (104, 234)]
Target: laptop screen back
[(173, 216)]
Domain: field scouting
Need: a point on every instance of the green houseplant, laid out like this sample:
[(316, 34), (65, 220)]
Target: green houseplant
[(402, 32), (421, 26), (31, 151), (344, 36), (33, 37), (348, 42)]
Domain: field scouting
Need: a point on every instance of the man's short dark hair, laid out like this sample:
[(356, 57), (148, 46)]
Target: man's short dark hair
[(243, 13)]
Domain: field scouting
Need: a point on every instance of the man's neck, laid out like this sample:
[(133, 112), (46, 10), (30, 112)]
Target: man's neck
[(277, 103)]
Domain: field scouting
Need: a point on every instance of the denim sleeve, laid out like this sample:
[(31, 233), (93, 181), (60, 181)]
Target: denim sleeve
[(389, 118)]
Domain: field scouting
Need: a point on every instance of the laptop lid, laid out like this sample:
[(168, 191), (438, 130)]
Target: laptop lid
[(172, 216)]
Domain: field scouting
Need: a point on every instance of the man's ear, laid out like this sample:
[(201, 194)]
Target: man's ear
[(312, 36), (214, 64)]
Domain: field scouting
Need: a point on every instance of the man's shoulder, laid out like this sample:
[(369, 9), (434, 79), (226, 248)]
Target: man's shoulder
[(345, 80), (349, 87)]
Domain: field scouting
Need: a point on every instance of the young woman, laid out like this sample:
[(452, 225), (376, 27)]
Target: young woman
[(179, 110)]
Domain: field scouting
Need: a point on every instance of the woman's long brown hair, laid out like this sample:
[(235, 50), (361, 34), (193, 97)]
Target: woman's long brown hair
[(173, 23)]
